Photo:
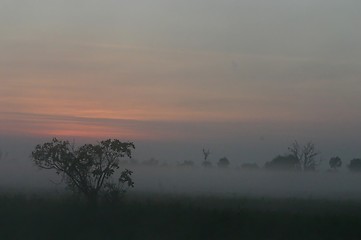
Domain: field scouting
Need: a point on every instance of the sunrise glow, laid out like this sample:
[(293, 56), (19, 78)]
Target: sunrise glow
[(158, 71)]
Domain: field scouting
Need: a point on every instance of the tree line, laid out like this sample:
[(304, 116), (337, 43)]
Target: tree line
[(298, 158), (89, 169), (303, 158)]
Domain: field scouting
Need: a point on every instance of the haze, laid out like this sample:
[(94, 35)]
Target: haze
[(241, 78)]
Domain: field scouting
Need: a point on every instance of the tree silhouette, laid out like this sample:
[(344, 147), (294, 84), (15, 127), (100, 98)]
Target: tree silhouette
[(283, 162), (206, 163), (305, 155), (335, 162), (355, 165), (223, 162), (87, 169)]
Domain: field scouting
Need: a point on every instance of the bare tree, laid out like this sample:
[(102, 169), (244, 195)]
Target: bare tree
[(309, 154), (305, 155), (87, 169), (206, 153)]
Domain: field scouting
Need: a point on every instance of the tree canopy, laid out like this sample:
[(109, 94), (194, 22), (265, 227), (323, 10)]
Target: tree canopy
[(223, 162), (87, 169), (283, 162), (335, 162), (305, 155), (355, 165)]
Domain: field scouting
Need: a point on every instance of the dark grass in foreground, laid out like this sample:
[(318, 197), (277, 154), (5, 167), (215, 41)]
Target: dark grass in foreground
[(172, 217)]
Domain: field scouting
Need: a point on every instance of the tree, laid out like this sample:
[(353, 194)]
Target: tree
[(283, 162), (305, 155), (223, 162), (355, 165), (335, 162), (87, 169), (206, 163)]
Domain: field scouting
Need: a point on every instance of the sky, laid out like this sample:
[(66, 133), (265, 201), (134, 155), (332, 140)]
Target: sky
[(243, 78)]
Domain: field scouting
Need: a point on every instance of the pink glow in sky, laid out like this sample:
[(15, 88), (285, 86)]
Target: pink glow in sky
[(149, 70)]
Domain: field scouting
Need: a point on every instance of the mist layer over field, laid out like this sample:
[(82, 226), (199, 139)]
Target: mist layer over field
[(260, 183), (200, 181)]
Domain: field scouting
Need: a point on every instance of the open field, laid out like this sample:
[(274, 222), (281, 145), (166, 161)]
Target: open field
[(150, 216), (200, 181), (187, 203)]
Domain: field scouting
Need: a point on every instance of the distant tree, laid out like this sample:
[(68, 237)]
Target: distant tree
[(206, 163), (205, 154), (151, 162), (223, 162), (285, 162), (250, 166), (335, 163), (305, 155), (355, 165), (87, 169)]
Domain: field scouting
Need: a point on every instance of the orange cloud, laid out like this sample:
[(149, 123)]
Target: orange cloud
[(54, 126)]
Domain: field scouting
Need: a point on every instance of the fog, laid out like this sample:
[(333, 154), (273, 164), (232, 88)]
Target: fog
[(198, 181), (18, 172), (247, 183)]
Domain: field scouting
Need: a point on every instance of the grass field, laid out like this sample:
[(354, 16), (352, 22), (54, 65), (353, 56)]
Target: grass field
[(149, 216)]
